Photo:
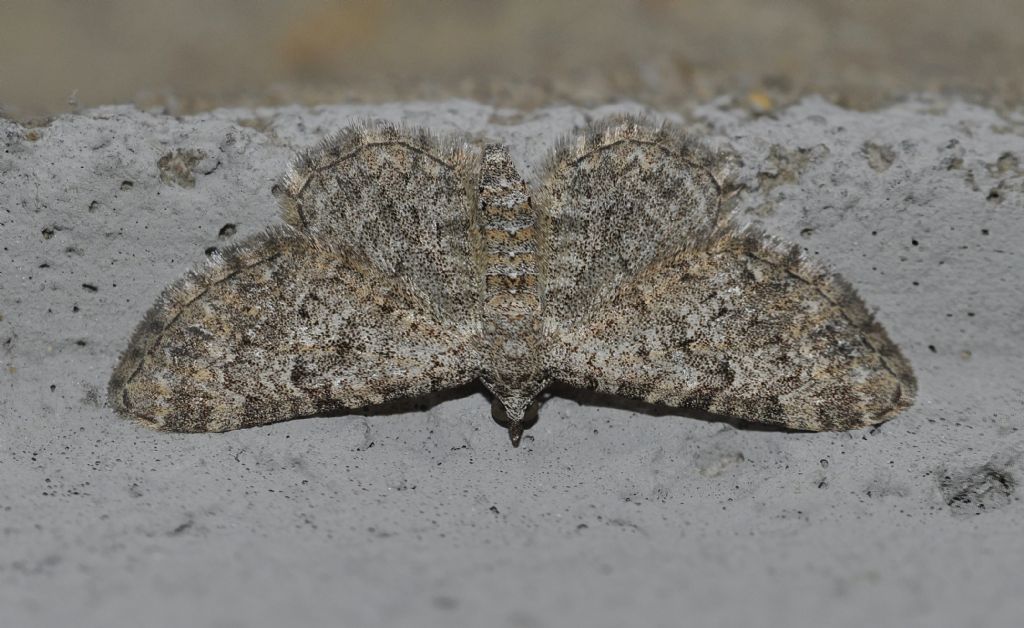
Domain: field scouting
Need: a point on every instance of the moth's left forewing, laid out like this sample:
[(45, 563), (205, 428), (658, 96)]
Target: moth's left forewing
[(744, 328)]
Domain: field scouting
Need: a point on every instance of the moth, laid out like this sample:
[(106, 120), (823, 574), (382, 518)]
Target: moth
[(409, 264)]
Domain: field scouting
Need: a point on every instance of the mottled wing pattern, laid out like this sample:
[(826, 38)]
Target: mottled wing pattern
[(614, 198), (742, 327), (282, 327), (401, 197), (409, 265), (650, 293)]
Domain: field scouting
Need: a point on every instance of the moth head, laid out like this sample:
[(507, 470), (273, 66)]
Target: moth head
[(516, 414)]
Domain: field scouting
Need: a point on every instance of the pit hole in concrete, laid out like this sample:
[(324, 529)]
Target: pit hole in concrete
[(979, 490)]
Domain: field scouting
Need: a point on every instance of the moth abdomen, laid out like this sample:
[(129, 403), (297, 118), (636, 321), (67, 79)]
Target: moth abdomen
[(511, 307)]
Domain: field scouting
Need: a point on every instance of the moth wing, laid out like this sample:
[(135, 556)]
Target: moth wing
[(402, 197), (279, 328), (615, 197), (744, 328)]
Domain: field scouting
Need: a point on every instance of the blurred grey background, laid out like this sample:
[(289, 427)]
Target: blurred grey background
[(190, 55)]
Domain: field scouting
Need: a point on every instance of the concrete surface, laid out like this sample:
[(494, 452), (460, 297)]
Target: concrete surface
[(606, 516)]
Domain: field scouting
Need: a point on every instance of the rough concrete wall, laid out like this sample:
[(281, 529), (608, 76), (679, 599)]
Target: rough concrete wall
[(606, 515)]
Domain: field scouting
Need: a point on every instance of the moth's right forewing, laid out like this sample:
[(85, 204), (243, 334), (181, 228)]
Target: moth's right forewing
[(284, 327)]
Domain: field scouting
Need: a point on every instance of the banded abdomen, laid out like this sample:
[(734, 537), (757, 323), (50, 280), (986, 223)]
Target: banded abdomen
[(511, 307)]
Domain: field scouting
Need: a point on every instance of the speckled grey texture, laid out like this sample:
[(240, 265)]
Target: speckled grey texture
[(605, 515)]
